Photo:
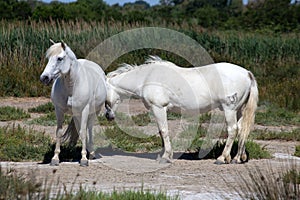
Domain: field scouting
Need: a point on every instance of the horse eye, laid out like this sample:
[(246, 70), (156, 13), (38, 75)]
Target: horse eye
[(60, 59)]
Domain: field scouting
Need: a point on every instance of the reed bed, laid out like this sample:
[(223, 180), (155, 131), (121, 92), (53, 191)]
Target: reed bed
[(274, 59)]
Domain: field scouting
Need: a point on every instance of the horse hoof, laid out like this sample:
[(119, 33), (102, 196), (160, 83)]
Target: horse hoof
[(84, 163), (54, 162), (218, 162), (164, 161), (234, 162), (158, 157)]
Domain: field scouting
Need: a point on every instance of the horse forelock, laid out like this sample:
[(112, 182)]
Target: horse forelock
[(55, 49)]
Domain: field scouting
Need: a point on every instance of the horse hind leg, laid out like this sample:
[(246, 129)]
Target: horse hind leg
[(231, 121), (241, 155)]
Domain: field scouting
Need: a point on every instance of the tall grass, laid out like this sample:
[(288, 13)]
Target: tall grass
[(274, 59), (19, 186), (269, 184)]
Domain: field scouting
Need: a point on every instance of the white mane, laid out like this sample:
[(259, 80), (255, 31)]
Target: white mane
[(127, 67), (55, 49), (153, 59)]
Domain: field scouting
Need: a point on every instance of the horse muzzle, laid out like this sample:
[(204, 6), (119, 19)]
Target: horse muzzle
[(110, 116), (45, 79)]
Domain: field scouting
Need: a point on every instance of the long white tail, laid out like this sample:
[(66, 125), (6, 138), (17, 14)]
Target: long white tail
[(248, 111), (71, 134), (248, 114)]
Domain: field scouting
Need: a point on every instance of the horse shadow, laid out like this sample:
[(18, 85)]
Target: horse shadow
[(73, 153)]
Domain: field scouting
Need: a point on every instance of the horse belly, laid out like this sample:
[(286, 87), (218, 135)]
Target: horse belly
[(194, 102)]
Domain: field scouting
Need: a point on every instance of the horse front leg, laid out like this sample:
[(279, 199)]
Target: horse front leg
[(231, 120), (83, 135), (59, 133), (90, 141), (161, 119)]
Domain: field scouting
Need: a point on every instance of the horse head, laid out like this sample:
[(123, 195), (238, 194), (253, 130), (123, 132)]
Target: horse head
[(61, 58), (112, 101)]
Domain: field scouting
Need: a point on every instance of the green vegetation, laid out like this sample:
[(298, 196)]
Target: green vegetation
[(254, 150), (276, 116), (19, 144), (8, 113), (297, 151), (292, 176), (48, 120), (269, 184), (44, 108), (124, 195), (15, 186), (137, 141), (173, 116), (272, 58), (212, 14), (293, 135), (195, 136), (142, 119)]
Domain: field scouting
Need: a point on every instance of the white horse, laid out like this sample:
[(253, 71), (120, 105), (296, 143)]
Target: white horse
[(162, 85), (79, 89)]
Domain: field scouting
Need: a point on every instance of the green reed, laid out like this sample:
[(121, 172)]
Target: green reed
[(274, 59)]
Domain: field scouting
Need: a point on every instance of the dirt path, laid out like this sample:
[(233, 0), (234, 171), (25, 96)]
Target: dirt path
[(190, 179)]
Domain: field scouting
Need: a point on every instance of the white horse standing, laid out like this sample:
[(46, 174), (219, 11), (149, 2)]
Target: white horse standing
[(80, 90), (162, 85)]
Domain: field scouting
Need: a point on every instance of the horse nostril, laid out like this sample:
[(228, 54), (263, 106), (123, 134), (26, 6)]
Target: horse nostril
[(44, 79), (109, 116)]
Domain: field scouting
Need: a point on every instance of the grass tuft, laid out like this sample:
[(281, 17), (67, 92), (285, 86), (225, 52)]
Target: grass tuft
[(19, 144), (15, 186), (123, 195), (293, 135), (142, 119), (44, 108), (268, 184), (48, 120), (8, 113), (132, 140)]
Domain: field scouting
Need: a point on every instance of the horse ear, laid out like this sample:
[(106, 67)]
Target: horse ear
[(52, 41), (63, 45)]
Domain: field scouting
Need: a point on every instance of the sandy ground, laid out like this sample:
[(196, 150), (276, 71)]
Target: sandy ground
[(188, 178)]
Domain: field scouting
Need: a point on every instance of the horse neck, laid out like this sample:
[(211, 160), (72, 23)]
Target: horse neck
[(71, 77)]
